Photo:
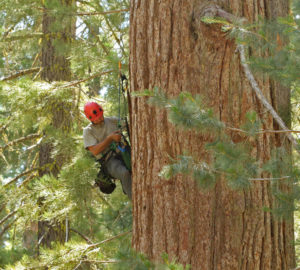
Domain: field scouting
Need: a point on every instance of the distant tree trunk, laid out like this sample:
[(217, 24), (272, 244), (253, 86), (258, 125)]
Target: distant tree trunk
[(218, 229), (58, 31)]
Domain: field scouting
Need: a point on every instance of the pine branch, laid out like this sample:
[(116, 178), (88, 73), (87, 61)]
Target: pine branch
[(97, 37), (7, 227), (21, 73), (15, 38), (4, 126), (87, 79), (100, 262), (269, 179), (82, 235), (21, 175), (7, 217), (264, 131), (25, 182), (101, 13), (115, 36), (20, 140), (107, 240)]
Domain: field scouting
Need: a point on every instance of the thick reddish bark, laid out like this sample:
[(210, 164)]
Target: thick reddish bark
[(218, 229)]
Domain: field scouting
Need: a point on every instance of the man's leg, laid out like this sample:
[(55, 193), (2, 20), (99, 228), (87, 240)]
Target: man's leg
[(117, 169)]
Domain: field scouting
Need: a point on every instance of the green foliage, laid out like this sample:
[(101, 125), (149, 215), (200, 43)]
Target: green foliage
[(52, 111)]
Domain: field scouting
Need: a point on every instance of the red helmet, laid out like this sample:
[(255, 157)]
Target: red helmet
[(93, 111)]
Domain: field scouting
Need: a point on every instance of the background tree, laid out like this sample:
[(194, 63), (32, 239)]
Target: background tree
[(221, 228), (45, 71), (55, 66)]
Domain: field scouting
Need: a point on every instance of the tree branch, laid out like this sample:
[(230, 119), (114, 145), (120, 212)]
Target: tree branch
[(14, 38), (260, 96), (264, 131), (213, 10), (21, 73), (7, 217), (7, 227), (101, 13), (23, 139), (83, 236), (87, 79), (21, 175), (269, 179), (107, 240)]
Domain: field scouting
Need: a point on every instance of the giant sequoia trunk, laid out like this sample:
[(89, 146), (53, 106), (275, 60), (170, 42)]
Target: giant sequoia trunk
[(218, 229)]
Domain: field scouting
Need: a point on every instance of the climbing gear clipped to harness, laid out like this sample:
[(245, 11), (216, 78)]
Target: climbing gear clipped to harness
[(93, 111), (104, 181), (123, 151), (123, 86), (123, 148)]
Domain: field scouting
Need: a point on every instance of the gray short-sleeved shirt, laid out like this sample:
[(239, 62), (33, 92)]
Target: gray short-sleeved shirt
[(94, 134)]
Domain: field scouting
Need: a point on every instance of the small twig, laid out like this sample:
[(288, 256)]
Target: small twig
[(101, 13), (7, 227), (264, 131), (103, 262), (77, 266), (16, 37), (7, 217), (83, 236), (269, 179), (107, 240), (21, 175), (21, 73), (27, 180), (87, 79)]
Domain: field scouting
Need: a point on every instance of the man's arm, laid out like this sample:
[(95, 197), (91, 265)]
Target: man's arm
[(100, 147)]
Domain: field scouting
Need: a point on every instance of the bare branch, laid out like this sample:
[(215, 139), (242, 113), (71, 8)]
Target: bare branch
[(20, 140), (101, 13), (261, 97), (21, 73), (212, 10)]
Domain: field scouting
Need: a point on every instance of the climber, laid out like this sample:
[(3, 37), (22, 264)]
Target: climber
[(98, 137)]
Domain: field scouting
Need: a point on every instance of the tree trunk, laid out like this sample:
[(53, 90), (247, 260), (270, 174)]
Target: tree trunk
[(221, 228), (58, 32)]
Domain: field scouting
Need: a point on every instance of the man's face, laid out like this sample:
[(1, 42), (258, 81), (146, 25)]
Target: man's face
[(99, 120)]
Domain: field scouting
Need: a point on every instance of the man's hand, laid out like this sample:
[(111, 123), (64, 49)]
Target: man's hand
[(116, 136)]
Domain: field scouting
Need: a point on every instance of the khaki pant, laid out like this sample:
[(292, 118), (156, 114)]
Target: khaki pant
[(117, 169)]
